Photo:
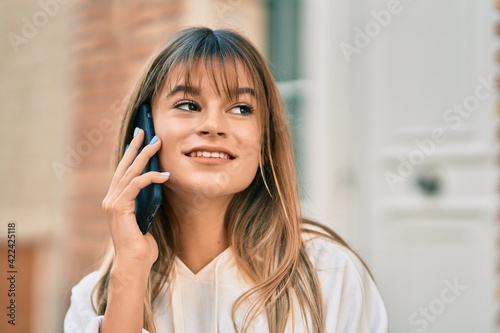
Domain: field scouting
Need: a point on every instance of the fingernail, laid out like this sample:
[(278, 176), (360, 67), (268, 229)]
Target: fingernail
[(126, 146), (136, 131), (165, 174), (153, 140)]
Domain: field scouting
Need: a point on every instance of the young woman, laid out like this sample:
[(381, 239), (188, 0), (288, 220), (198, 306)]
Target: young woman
[(228, 250)]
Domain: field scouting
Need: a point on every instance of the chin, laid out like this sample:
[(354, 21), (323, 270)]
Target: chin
[(215, 191)]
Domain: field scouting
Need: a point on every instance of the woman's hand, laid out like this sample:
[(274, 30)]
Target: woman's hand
[(131, 246), (135, 253)]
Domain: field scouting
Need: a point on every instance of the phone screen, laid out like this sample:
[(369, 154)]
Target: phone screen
[(149, 198)]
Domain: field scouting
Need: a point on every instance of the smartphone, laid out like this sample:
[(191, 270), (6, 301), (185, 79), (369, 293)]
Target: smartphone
[(149, 198)]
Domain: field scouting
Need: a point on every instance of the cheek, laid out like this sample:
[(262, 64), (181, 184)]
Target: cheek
[(249, 148), (167, 128), (250, 143), (171, 135)]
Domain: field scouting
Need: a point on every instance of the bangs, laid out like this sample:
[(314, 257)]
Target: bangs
[(217, 57)]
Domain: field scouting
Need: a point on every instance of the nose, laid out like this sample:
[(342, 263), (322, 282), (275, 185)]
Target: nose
[(212, 123)]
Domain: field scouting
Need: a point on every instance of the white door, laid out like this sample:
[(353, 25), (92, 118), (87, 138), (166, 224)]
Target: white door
[(420, 147)]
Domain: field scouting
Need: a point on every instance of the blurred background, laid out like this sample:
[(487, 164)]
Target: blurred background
[(394, 109)]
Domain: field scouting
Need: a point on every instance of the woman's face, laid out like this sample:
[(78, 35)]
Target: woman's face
[(210, 142)]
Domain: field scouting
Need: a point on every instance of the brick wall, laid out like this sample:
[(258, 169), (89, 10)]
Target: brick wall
[(111, 41), (60, 88)]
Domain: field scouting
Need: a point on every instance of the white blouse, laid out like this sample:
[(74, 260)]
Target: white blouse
[(202, 302)]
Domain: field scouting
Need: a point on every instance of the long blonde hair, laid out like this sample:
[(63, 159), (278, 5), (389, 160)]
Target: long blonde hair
[(263, 223)]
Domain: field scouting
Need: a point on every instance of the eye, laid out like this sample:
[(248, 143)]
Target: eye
[(242, 109), (187, 106)]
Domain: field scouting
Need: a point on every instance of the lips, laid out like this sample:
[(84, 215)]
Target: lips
[(210, 152)]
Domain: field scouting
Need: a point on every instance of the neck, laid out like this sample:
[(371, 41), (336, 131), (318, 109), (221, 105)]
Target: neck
[(200, 225)]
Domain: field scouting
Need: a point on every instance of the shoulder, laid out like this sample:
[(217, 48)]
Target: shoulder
[(348, 289), (337, 266), (81, 314), (81, 292), (88, 282), (326, 253)]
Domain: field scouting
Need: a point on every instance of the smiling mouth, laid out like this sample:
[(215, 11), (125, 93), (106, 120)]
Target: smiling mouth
[(210, 154)]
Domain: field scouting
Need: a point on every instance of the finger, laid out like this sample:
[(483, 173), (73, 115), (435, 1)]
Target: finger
[(139, 163), (135, 185), (128, 157), (123, 203)]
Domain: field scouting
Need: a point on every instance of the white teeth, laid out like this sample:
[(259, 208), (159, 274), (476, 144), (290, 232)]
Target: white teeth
[(209, 154)]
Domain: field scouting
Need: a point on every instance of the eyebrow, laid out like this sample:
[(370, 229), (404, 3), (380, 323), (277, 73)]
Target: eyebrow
[(196, 92), (186, 89), (249, 91)]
